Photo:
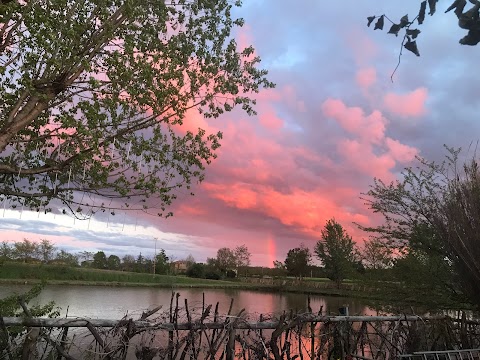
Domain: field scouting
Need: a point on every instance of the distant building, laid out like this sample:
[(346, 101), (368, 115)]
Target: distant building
[(179, 266)]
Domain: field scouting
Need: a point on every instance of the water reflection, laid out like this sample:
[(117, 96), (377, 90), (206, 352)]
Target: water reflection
[(114, 303)]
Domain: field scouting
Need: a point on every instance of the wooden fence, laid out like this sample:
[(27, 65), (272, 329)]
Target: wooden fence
[(200, 332)]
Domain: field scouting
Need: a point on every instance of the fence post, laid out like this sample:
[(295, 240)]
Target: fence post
[(231, 343)]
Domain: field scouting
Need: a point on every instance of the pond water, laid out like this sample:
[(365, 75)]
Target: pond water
[(114, 302)]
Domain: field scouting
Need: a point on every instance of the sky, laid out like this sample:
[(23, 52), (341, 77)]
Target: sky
[(334, 122)]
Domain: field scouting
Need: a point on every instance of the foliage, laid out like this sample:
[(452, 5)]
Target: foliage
[(196, 271), (11, 306), (99, 260), (468, 19), (242, 256), (113, 262), (336, 250), (66, 258), (128, 263), (25, 250), (190, 260), (228, 259), (94, 94), (297, 261), (225, 259), (161, 262), (213, 274), (441, 199), (376, 254)]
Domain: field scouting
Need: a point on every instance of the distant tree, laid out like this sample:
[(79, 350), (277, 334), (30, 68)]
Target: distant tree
[(190, 260), (6, 251), (99, 260), (297, 261), (113, 262), (162, 265), (67, 258), (278, 265), (25, 250), (212, 262), (128, 263), (226, 259), (336, 251), (242, 256), (376, 254), (196, 271), (85, 257), (46, 251)]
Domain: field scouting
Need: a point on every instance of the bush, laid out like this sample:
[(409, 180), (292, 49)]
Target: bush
[(231, 274), (196, 271), (213, 275)]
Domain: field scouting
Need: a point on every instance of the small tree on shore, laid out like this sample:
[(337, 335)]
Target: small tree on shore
[(376, 254), (297, 261), (336, 250)]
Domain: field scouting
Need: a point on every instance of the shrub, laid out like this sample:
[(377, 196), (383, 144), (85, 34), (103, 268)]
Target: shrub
[(213, 275), (196, 271)]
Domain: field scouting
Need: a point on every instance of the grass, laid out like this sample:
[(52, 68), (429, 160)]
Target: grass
[(59, 274)]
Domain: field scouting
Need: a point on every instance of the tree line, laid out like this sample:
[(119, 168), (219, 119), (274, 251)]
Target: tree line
[(45, 252)]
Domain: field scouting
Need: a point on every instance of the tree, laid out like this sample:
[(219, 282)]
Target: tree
[(128, 263), (93, 95), (161, 262), (196, 271), (242, 256), (190, 260), (225, 259), (99, 260), (46, 250), (336, 251), (297, 261), (434, 209), (376, 254), (25, 250), (67, 258), (113, 262), (6, 251)]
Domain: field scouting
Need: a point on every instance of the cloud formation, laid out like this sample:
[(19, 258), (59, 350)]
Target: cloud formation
[(333, 123)]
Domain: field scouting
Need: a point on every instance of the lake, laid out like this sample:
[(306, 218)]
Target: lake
[(114, 302)]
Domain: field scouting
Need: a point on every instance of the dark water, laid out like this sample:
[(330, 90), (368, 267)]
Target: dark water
[(115, 302)]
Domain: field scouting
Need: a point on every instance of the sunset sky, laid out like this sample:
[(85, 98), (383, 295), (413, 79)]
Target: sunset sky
[(334, 122)]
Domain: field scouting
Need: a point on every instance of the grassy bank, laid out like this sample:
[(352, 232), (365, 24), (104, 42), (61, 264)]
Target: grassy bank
[(57, 274)]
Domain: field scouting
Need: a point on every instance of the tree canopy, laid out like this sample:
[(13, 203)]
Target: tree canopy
[(297, 261), (94, 94), (336, 250), (434, 210)]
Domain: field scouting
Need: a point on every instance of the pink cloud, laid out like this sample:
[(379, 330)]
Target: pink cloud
[(271, 121), (371, 128), (408, 105), (362, 157), (400, 152), (366, 77)]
